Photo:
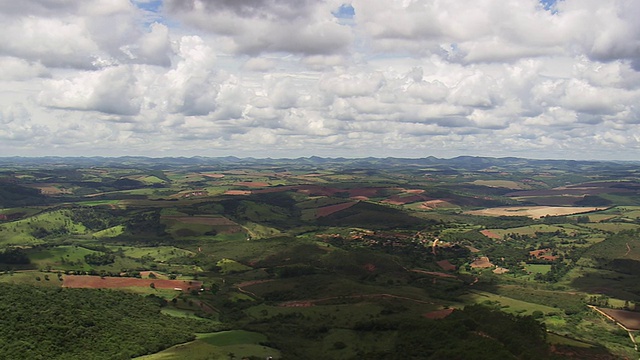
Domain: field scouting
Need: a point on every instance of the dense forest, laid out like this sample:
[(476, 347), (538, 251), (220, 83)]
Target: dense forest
[(86, 324)]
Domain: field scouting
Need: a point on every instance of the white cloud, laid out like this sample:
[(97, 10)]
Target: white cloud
[(285, 78)]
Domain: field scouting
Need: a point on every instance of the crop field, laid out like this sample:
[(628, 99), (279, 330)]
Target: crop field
[(507, 184), (534, 212), (628, 319)]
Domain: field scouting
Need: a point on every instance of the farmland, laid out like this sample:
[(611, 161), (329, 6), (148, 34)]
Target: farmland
[(348, 258)]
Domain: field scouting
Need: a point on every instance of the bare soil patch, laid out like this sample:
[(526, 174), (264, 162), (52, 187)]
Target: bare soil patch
[(406, 199), (628, 319), (328, 210), (366, 192), (534, 212), (438, 314), (215, 176), (414, 191), (434, 204), (500, 270), (490, 234), (97, 282), (543, 254), (237, 192), (446, 265), (482, 262), (360, 198)]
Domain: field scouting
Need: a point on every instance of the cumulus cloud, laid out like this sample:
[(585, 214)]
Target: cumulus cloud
[(285, 78), (258, 26)]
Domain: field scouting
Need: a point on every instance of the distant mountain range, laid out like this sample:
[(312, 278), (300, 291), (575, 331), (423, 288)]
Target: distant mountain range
[(460, 162)]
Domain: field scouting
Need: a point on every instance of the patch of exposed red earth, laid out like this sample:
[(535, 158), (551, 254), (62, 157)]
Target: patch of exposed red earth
[(401, 200), (360, 198), (370, 267), (237, 192), (97, 282), (543, 254), (438, 314), (366, 192), (446, 265), (490, 234), (434, 204), (413, 191), (629, 319), (328, 210)]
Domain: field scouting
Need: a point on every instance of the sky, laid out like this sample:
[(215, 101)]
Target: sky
[(332, 78)]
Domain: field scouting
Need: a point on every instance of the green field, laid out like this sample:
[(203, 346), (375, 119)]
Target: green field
[(220, 345)]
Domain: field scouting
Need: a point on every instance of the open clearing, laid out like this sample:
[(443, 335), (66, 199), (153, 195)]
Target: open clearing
[(242, 344), (534, 212), (628, 319), (328, 210), (97, 282)]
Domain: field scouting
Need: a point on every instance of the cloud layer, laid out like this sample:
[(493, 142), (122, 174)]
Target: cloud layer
[(285, 78)]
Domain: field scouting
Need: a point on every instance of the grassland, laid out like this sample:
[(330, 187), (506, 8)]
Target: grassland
[(240, 344), (535, 212)]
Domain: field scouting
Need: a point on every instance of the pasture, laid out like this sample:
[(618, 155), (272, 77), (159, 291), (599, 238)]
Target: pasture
[(221, 345), (507, 304), (534, 212)]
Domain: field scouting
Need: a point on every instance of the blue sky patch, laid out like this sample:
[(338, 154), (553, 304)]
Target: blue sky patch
[(153, 5), (548, 3), (345, 11)]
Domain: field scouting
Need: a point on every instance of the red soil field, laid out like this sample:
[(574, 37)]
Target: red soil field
[(401, 200), (628, 319), (413, 191), (446, 265), (361, 198), (438, 314), (366, 192), (490, 234), (328, 210), (96, 282), (433, 204), (544, 254), (237, 192)]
